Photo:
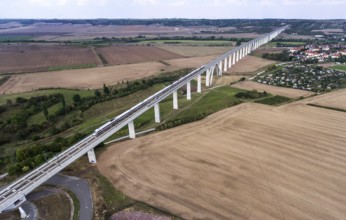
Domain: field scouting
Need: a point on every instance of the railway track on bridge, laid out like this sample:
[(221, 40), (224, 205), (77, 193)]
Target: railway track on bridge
[(13, 195)]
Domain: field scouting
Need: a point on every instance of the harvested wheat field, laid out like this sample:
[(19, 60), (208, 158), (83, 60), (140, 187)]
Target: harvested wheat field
[(91, 78), (335, 99), (30, 58), (82, 78), (250, 65), (287, 92), (248, 162), (192, 62), (116, 55)]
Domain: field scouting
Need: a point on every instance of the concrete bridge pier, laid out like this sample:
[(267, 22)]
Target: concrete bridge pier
[(199, 83), (220, 68), (132, 133), (157, 113), (237, 56), (207, 78), (225, 64), (234, 55), (230, 61), (91, 156), (188, 90), (175, 100)]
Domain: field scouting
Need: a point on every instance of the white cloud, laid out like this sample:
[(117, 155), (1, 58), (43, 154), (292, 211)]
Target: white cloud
[(177, 3), (298, 2), (61, 2), (40, 2), (333, 2), (267, 2), (231, 2), (145, 2)]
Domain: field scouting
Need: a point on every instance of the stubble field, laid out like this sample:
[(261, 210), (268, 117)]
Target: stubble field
[(247, 162), (95, 77), (250, 65), (81, 79), (282, 91), (335, 99), (29, 58), (116, 55)]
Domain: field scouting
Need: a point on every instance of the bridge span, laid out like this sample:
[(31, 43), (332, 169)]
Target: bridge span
[(13, 195)]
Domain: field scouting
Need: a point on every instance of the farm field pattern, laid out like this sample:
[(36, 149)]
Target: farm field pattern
[(30, 58), (247, 162)]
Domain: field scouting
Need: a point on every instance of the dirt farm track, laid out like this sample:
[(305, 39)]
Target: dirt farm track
[(251, 161)]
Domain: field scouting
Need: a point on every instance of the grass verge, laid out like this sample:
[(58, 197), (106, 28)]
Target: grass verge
[(76, 205), (80, 66), (339, 67)]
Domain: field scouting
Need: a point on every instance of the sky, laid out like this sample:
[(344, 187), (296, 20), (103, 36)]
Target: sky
[(228, 9)]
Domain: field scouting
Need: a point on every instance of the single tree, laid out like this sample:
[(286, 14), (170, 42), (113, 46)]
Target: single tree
[(97, 93), (106, 89), (77, 98)]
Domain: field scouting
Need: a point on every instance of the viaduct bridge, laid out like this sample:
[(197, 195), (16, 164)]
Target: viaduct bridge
[(13, 195)]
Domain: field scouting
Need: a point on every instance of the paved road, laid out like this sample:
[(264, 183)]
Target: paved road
[(80, 188)]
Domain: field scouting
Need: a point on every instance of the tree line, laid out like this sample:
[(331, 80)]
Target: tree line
[(16, 127)]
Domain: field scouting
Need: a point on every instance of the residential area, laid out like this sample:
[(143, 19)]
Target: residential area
[(306, 77), (323, 49)]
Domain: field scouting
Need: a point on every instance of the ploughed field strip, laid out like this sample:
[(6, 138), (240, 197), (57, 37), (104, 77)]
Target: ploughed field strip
[(248, 162), (29, 58), (116, 55)]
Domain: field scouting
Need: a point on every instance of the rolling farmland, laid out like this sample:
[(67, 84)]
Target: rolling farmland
[(287, 92), (30, 58), (116, 55), (248, 162)]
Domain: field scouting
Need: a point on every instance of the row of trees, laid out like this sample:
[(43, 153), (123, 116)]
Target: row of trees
[(284, 56), (254, 94), (32, 156)]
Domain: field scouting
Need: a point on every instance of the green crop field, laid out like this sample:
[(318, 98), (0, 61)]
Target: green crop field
[(339, 67), (15, 38), (189, 42), (80, 66), (204, 103), (274, 44)]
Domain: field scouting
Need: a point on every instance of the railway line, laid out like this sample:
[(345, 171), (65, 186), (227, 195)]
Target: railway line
[(13, 195)]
